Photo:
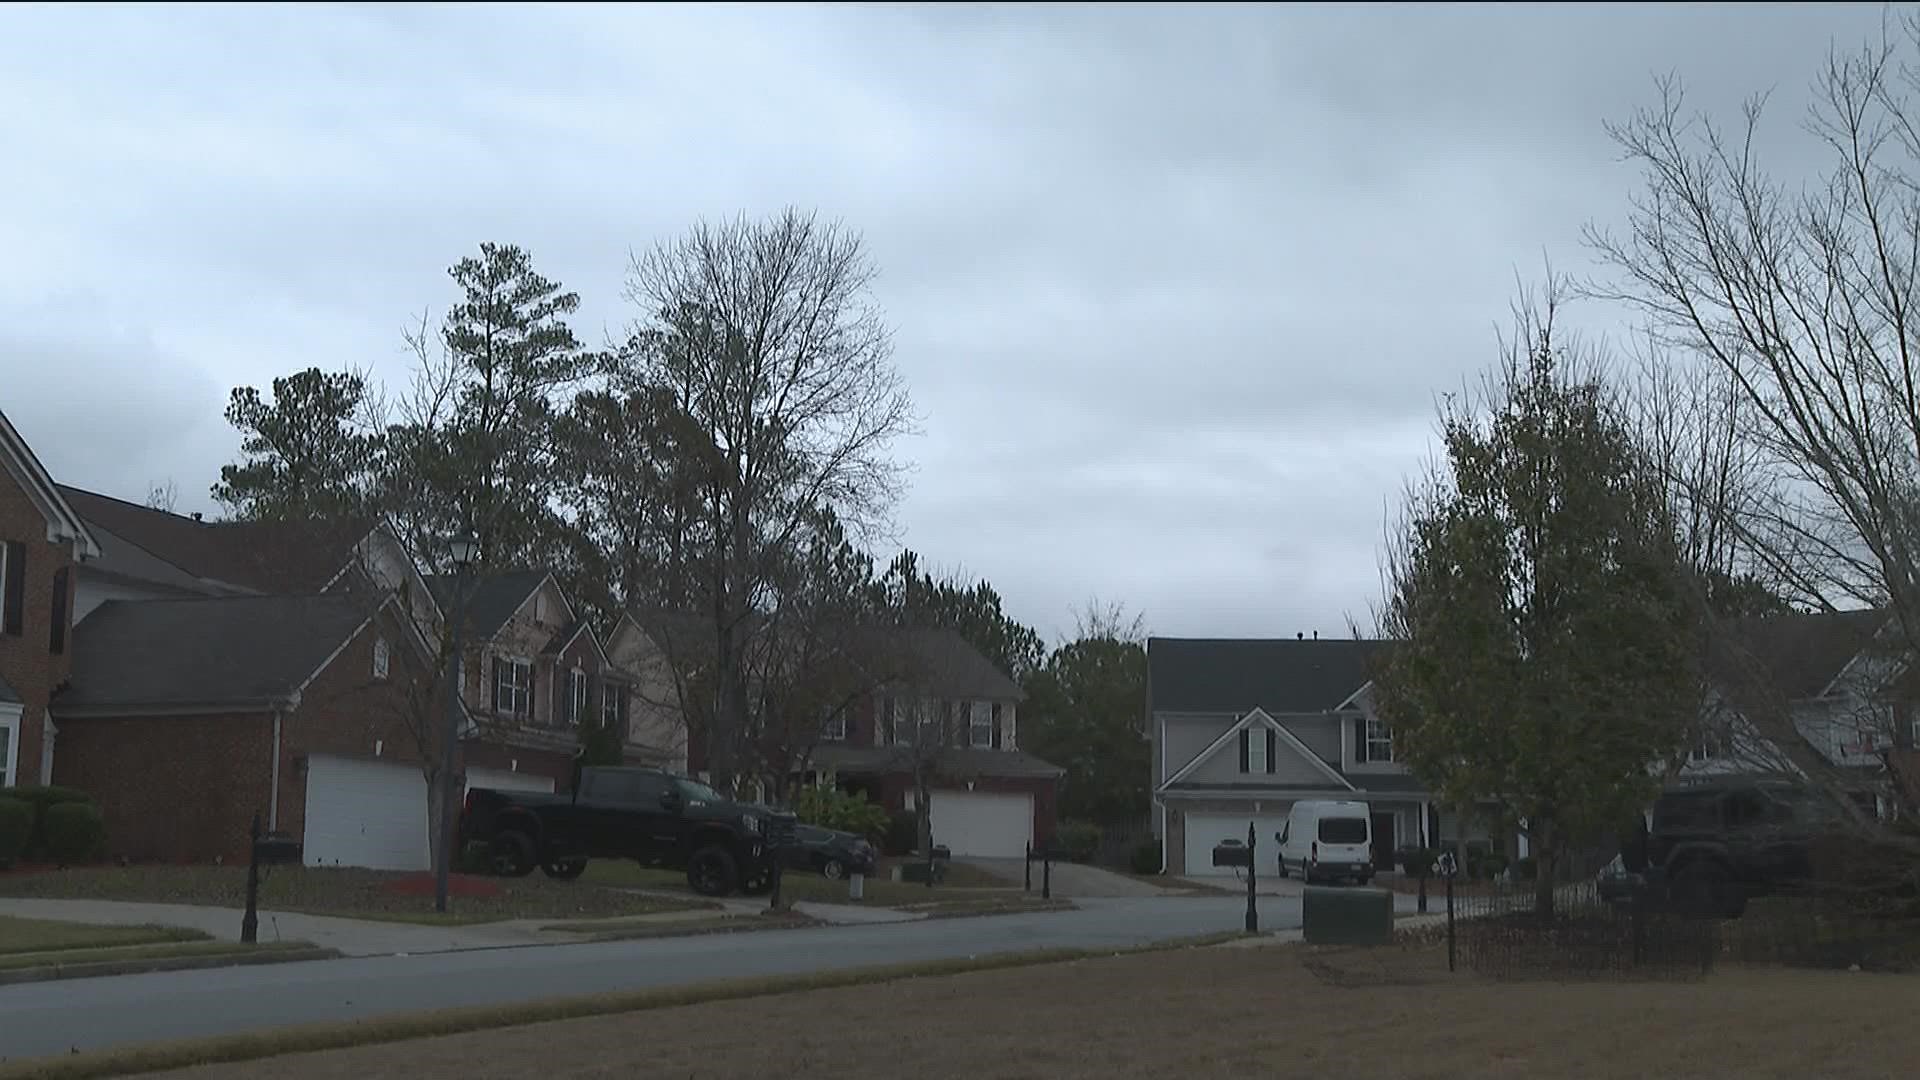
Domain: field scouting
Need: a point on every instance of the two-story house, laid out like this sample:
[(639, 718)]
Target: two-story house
[(917, 703), (42, 542), (1241, 729), (532, 673)]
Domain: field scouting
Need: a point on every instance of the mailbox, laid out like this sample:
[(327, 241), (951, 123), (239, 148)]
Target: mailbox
[(277, 849), (1232, 853)]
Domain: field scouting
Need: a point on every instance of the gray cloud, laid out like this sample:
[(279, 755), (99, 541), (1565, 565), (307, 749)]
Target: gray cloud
[(1175, 287)]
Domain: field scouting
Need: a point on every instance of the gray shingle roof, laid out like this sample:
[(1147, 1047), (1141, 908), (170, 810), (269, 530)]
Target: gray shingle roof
[(1280, 675), (491, 600), (8, 694), (1802, 653), (956, 762), (224, 651)]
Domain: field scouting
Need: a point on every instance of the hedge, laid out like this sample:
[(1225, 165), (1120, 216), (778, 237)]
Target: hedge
[(16, 825), (40, 800), (1081, 839), (1146, 857), (76, 832)]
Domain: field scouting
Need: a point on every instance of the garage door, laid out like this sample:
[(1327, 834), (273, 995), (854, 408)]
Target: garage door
[(501, 780), (1206, 830), (366, 813), (982, 823)]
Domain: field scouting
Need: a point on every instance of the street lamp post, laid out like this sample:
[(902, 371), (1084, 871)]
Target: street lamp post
[(464, 549)]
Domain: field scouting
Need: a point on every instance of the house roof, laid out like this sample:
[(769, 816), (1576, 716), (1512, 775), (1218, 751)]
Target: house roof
[(953, 762), (263, 556), (491, 600), (226, 652), (8, 694), (123, 559), (1233, 675), (1804, 652), (64, 524)]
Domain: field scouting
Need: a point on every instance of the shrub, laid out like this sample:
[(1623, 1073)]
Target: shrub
[(903, 833), (1418, 861), (1081, 839), (1146, 857), (831, 808), (16, 825), (40, 800), (1524, 868), (475, 858), (76, 832), (1485, 864)]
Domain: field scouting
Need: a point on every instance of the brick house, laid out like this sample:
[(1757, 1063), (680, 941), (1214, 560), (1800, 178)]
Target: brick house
[(42, 541), (920, 699), (532, 673), (184, 718)]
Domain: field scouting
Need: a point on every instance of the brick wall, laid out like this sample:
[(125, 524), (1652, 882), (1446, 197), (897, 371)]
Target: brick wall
[(177, 788), (26, 662)]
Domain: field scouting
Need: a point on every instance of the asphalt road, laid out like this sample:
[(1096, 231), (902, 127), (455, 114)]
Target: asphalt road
[(91, 1014)]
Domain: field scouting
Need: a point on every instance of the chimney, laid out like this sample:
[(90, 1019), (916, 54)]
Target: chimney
[(1316, 635), (1298, 636), (195, 515)]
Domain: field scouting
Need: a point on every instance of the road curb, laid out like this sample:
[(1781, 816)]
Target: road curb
[(54, 972)]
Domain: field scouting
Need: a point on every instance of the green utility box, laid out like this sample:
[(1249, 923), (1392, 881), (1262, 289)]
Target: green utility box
[(1331, 916)]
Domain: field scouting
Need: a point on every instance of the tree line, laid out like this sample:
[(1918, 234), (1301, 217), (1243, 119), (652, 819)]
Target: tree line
[(1574, 586), (729, 461)]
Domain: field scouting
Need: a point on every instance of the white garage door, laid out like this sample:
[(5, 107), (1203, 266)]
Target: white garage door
[(1206, 830), (982, 823), (366, 813), (501, 780)]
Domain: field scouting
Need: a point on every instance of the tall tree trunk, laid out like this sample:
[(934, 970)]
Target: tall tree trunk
[(1543, 841)]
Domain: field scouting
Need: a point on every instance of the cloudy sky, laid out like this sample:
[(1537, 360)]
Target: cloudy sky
[(1175, 289)]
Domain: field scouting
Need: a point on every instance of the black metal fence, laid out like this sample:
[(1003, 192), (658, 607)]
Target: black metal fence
[(1506, 933)]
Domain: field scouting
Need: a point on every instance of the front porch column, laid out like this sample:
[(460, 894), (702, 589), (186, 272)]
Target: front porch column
[(1426, 816)]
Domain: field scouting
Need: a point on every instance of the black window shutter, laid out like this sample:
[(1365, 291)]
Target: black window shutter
[(996, 725), (15, 588), (57, 642), (1360, 739), (496, 684), (1243, 749), (532, 681), (1273, 744)]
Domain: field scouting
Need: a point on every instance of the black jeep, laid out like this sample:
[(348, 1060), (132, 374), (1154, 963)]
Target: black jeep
[(1713, 846)]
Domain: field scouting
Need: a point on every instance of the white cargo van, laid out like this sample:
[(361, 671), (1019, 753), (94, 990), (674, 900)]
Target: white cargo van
[(1328, 841)]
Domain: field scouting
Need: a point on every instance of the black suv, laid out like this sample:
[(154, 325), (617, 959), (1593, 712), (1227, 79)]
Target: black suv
[(1714, 846), (655, 817)]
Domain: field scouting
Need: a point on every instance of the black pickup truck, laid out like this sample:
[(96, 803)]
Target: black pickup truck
[(1714, 845), (655, 817)]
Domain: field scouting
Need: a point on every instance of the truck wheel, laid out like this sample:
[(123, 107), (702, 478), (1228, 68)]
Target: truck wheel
[(512, 854), (833, 869), (712, 871), (565, 871)]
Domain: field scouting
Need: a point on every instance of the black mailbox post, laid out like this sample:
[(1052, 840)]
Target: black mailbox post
[(272, 849), (1232, 853), (1046, 857), (780, 837)]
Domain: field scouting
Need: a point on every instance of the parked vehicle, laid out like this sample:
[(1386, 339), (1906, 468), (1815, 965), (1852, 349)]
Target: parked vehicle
[(1327, 840), (830, 853), (1713, 847), (654, 817)]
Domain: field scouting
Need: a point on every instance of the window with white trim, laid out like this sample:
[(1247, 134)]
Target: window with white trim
[(1256, 740), (382, 658), (579, 695), (1379, 740), (9, 733), (613, 708), (512, 687), (834, 728), (980, 725)]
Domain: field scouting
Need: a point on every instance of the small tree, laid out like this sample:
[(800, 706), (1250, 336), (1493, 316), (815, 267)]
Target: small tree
[(1083, 713), (1545, 659)]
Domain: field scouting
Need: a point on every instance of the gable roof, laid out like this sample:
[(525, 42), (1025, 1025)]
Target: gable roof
[(1259, 717), (64, 525), (1804, 652), (491, 599), (1279, 675), (262, 556), (236, 652)]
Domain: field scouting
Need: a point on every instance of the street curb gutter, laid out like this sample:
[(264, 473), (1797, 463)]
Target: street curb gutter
[(52, 972)]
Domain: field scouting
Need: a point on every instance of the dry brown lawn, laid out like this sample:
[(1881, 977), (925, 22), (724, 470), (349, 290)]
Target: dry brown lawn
[(1284, 1011)]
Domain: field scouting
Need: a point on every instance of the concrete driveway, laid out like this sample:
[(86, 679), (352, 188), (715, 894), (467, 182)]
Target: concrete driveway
[(1072, 880)]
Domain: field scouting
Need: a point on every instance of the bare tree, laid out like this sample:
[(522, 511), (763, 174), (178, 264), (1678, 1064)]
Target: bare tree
[(164, 495), (1793, 308), (765, 339)]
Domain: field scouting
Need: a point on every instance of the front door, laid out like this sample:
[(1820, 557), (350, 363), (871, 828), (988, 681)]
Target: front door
[(1384, 840)]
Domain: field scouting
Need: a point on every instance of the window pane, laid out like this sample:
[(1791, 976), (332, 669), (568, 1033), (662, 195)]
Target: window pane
[(1343, 830)]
